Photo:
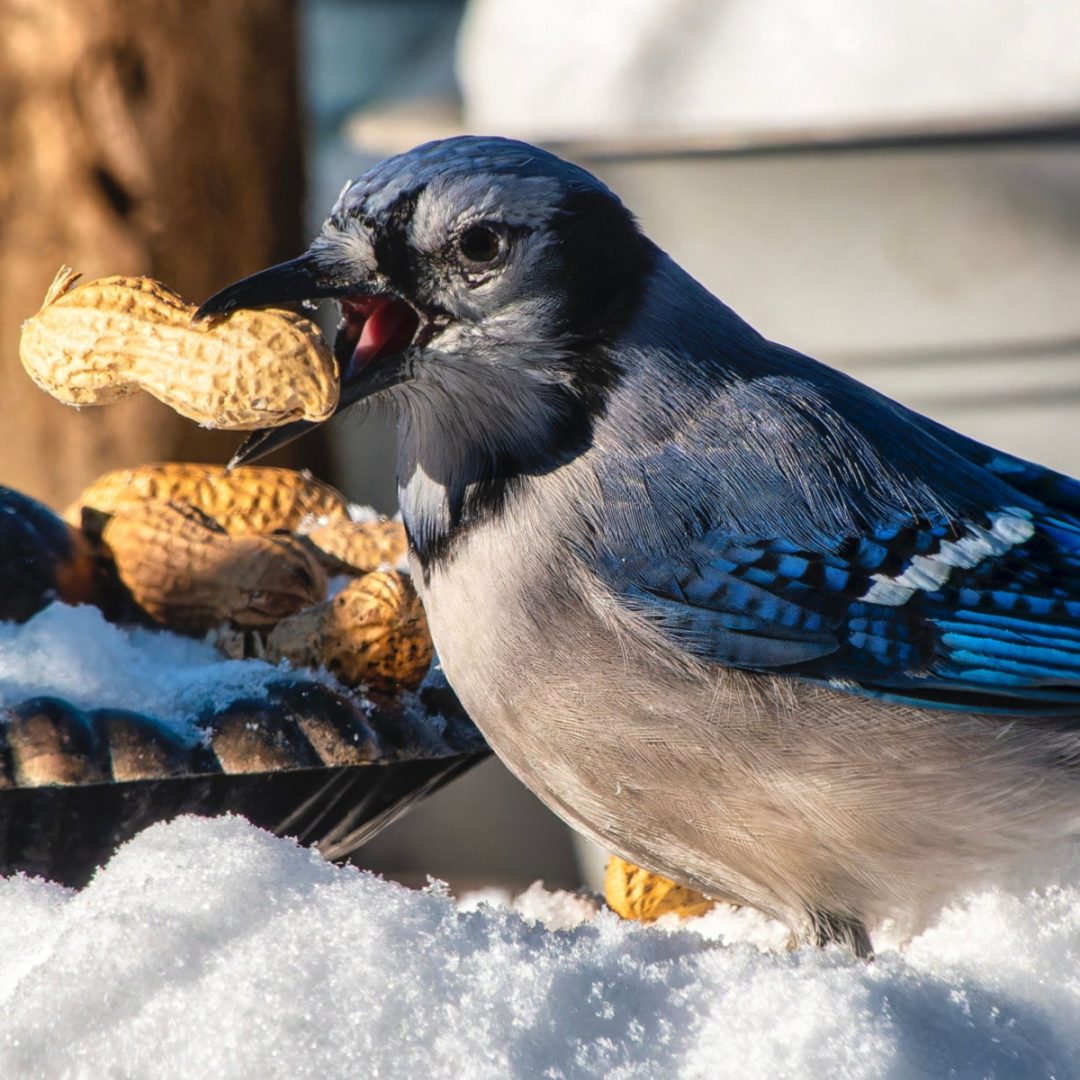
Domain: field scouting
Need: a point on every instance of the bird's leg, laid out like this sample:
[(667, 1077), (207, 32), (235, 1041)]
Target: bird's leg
[(843, 930)]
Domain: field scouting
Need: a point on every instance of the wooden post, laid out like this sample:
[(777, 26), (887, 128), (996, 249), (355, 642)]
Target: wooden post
[(157, 138)]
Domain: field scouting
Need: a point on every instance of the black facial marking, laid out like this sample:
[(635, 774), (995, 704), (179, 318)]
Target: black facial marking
[(483, 501), (606, 260), (485, 498), (393, 254)]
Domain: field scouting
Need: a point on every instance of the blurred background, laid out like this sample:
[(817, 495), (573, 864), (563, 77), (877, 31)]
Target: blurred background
[(894, 188)]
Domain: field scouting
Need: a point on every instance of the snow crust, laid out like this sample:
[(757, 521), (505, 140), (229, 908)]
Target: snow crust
[(210, 948), (74, 654)]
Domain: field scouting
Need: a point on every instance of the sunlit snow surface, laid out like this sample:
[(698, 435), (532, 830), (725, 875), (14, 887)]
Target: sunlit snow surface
[(74, 654), (209, 948)]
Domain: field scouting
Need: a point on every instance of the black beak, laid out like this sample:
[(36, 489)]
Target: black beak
[(261, 443), (295, 280)]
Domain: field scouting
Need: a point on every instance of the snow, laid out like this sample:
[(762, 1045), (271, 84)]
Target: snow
[(74, 654), (210, 948)]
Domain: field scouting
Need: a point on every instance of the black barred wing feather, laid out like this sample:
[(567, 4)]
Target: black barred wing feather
[(977, 613)]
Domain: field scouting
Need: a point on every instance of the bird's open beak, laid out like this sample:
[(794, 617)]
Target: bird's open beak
[(375, 330)]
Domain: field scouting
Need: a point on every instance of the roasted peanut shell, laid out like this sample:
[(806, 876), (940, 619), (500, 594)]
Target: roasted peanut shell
[(245, 501), (186, 572), (111, 338), (351, 547), (373, 632), (636, 893)]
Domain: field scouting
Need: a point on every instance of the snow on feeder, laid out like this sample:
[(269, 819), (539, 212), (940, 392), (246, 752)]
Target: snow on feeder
[(174, 693)]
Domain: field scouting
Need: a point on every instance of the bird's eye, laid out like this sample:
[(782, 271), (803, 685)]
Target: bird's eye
[(480, 244)]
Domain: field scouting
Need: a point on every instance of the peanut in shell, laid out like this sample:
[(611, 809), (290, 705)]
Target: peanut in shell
[(373, 632), (97, 343), (187, 573), (636, 893), (351, 547), (246, 501)]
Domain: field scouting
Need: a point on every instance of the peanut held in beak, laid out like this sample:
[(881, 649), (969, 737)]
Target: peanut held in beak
[(106, 340)]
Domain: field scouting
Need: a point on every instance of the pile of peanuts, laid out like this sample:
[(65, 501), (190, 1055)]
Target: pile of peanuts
[(249, 553)]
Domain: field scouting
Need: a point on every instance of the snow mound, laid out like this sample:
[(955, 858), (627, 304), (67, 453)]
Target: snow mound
[(73, 653), (210, 948)]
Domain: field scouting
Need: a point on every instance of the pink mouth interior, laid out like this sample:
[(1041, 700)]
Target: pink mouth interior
[(379, 326)]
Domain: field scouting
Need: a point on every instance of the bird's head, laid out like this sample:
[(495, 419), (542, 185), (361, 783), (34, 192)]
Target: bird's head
[(478, 280)]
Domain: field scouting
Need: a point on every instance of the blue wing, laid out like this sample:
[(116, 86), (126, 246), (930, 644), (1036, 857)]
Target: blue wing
[(976, 612), (768, 512)]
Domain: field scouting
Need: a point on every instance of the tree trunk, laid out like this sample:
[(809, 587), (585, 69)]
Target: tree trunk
[(136, 137)]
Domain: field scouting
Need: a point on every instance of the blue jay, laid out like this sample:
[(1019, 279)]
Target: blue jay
[(727, 611)]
